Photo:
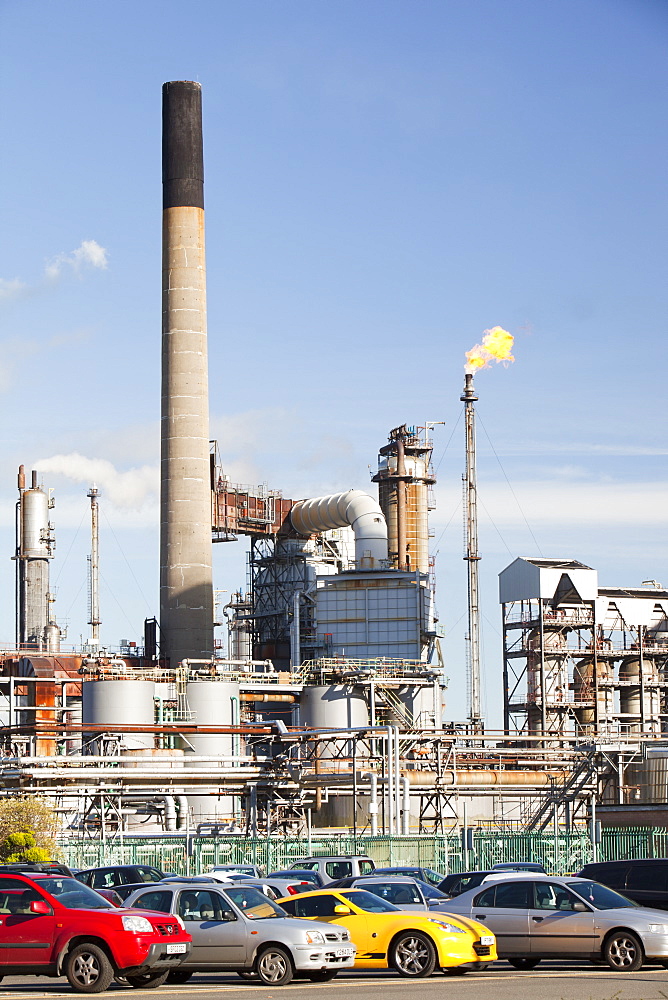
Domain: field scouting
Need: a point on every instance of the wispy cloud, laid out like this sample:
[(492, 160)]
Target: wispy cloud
[(559, 502), (88, 254), (11, 288), (582, 448), (131, 489)]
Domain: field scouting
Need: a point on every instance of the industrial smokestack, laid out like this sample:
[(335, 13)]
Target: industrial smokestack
[(186, 586)]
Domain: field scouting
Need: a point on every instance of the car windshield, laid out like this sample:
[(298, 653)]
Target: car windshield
[(253, 903), (600, 896), (367, 901), (75, 895)]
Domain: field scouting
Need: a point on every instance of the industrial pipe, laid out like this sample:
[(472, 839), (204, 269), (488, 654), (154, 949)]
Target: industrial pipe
[(466, 779), (339, 510)]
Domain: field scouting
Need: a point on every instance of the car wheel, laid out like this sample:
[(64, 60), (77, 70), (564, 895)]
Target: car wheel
[(413, 955), (274, 966), (524, 963), (178, 976), (88, 969), (148, 980), (623, 952), (323, 976)]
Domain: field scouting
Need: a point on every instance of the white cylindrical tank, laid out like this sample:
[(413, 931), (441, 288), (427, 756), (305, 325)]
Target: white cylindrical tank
[(334, 706), (419, 702), (120, 702), (212, 703), (35, 524)]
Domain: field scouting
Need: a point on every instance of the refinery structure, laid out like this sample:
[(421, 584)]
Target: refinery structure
[(329, 708)]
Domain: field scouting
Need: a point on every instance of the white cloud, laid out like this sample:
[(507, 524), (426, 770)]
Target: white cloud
[(88, 254), (131, 489), (11, 289), (562, 502)]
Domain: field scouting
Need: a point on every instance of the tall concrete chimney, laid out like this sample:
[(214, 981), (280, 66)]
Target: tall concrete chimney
[(186, 586)]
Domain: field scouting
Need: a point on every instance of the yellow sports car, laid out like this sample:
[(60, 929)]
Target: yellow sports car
[(413, 944)]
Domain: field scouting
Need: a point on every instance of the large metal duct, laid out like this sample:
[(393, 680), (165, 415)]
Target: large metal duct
[(339, 510), (186, 587)]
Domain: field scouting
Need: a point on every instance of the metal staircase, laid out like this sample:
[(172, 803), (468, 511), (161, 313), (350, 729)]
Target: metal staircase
[(581, 780)]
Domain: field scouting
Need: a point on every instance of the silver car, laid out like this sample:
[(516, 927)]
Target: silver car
[(235, 928), (406, 893), (277, 888), (549, 917)]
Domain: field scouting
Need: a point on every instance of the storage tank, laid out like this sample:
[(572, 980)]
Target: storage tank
[(422, 704), (212, 702), (334, 706), (555, 678), (583, 690), (120, 702), (630, 696)]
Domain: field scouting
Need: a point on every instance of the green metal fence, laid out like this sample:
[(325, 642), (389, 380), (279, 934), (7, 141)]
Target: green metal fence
[(563, 853)]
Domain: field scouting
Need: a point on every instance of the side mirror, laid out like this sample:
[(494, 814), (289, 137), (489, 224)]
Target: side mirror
[(229, 915), (40, 906), (581, 907), (340, 909)]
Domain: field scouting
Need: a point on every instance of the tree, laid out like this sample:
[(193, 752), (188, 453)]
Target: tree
[(27, 825), (22, 847)]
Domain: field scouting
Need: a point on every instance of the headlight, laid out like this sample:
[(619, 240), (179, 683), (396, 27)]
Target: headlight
[(314, 937), (138, 925), (657, 928), (450, 928)]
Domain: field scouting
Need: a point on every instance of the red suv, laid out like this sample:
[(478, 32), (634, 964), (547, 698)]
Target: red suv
[(52, 925)]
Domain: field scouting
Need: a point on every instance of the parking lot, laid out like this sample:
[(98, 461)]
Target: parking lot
[(553, 981)]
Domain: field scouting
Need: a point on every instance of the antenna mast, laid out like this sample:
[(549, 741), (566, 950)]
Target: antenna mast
[(471, 557), (94, 569)]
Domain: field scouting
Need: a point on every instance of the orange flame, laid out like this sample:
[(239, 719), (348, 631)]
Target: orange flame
[(496, 346)]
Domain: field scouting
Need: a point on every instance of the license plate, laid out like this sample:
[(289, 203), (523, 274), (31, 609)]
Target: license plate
[(176, 949), (487, 939), (344, 952)]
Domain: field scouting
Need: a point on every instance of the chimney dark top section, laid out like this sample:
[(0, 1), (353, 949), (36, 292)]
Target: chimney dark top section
[(182, 154)]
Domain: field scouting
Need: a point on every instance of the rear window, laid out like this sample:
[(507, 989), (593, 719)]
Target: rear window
[(454, 885), (338, 869), (158, 899), (366, 867)]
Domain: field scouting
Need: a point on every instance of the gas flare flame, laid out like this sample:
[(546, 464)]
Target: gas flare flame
[(496, 346)]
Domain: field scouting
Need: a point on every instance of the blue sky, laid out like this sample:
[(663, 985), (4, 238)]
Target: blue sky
[(384, 181)]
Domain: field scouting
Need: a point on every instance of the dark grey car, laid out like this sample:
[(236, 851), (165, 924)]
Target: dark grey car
[(549, 917), (236, 928)]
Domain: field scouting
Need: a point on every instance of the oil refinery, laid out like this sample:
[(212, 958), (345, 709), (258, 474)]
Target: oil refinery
[(328, 709)]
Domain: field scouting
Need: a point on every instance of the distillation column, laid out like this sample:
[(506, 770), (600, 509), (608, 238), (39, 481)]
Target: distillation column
[(186, 586), (35, 546)]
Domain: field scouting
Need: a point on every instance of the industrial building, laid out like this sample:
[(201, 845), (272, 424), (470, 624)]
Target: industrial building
[(328, 708)]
